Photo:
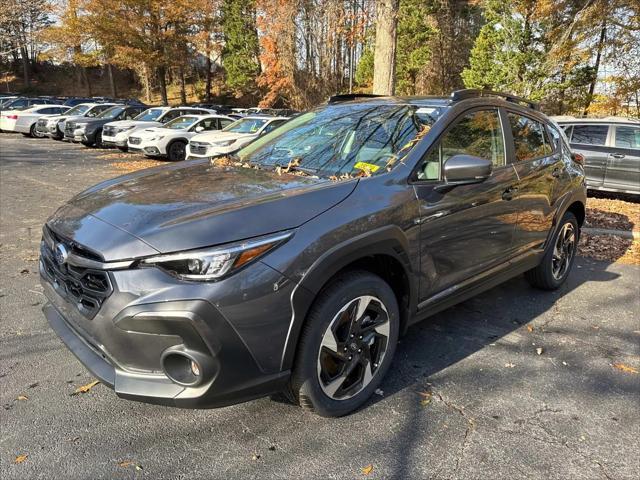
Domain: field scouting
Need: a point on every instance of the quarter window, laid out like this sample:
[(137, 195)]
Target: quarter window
[(529, 138), (628, 137), (590, 134), (478, 133)]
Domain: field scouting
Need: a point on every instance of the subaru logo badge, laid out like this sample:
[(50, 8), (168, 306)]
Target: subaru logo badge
[(61, 254)]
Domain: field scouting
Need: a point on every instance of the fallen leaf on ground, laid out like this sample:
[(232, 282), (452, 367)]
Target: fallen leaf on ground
[(529, 328), (86, 388), (256, 456), (23, 397), (625, 368), (367, 470), (539, 351), (24, 270), (125, 464), (379, 392), (509, 365), (426, 398), (21, 458)]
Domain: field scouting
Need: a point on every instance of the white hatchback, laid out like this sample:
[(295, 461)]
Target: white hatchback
[(170, 140)]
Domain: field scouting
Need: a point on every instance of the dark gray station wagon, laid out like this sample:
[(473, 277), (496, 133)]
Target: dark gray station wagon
[(294, 265), (611, 148)]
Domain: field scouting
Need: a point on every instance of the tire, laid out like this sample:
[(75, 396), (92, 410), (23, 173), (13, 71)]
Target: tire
[(177, 151), (98, 139), (330, 345), (34, 133), (557, 261)]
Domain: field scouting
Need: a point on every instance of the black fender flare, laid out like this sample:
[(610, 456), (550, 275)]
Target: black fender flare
[(389, 240), (569, 199)]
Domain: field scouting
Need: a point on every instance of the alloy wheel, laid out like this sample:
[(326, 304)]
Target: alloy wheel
[(353, 347), (563, 251)]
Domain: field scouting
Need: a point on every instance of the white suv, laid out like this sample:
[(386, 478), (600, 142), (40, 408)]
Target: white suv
[(115, 134), (233, 137), (170, 140)]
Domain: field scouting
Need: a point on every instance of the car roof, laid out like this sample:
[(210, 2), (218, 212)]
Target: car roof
[(562, 119), (45, 105), (207, 115), (263, 117)]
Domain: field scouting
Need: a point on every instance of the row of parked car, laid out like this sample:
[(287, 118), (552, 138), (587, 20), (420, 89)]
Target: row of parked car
[(175, 133)]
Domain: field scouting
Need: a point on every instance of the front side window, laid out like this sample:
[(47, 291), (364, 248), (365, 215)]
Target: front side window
[(111, 113), (627, 137), (589, 134), (207, 124), (529, 139), (78, 110), (97, 110), (342, 140), (477, 133), (170, 115), (273, 125)]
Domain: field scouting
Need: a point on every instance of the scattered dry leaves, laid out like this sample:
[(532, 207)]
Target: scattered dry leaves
[(613, 214), (367, 470), (21, 458), (625, 368), (86, 388), (135, 165), (610, 248)]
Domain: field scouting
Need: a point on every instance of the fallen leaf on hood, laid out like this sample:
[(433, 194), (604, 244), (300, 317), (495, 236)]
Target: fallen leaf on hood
[(625, 368), (367, 470), (21, 458), (23, 397), (86, 388)]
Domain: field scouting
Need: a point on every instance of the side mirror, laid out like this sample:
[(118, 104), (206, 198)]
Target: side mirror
[(466, 169), (199, 129)]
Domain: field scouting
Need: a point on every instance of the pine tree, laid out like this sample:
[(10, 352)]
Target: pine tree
[(240, 52)]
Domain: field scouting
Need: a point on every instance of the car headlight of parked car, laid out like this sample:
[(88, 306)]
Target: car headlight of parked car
[(81, 126), (214, 263)]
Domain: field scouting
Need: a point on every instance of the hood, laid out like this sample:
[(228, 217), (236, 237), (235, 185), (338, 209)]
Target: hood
[(219, 136), (147, 133), (195, 204)]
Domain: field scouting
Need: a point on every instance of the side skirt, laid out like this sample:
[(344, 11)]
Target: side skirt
[(475, 285)]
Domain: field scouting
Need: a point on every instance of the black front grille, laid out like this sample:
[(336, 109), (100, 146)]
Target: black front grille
[(84, 288), (198, 148), (109, 131), (135, 140)]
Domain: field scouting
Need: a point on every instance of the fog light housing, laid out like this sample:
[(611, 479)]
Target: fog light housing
[(187, 367)]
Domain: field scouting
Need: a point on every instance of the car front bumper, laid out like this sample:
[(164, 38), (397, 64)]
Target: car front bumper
[(235, 333)]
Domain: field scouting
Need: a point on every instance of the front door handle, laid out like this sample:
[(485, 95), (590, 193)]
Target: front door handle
[(617, 155), (509, 193)]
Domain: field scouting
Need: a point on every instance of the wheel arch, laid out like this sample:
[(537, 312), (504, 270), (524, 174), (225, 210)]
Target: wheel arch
[(383, 252), (175, 140)]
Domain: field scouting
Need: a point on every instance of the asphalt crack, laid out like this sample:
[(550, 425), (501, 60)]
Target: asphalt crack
[(471, 427)]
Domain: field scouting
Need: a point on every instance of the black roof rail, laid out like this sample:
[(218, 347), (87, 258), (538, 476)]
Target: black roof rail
[(345, 97), (475, 93)]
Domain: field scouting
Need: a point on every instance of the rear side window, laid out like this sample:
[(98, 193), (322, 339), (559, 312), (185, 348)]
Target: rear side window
[(529, 138), (589, 134), (627, 137)]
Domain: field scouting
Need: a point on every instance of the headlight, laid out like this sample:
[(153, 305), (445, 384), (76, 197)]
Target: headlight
[(214, 263), (223, 144), (81, 126)]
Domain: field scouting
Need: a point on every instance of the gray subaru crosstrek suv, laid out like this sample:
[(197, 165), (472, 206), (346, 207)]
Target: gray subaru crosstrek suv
[(295, 264)]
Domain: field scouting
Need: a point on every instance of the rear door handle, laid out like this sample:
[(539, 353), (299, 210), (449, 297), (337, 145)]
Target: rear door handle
[(616, 155), (509, 193)]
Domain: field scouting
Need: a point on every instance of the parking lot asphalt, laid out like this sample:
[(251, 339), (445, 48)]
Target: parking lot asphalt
[(515, 383)]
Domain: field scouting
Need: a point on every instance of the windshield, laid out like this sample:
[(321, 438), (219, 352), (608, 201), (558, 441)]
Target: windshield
[(180, 123), (245, 125), (112, 112), (344, 140), (97, 110), (77, 110), (150, 115)]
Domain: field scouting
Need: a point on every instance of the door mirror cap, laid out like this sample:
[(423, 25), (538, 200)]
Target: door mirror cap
[(466, 169), (199, 129)]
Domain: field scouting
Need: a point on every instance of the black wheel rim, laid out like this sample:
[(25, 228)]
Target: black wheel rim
[(353, 347), (178, 151), (563, 251)]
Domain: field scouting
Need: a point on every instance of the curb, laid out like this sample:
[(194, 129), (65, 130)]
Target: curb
[(617, 233)]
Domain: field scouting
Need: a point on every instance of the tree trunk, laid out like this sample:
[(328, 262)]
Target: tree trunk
[(112, 81), (25, 65), (207, 88), (596, 67), (85, 79), (183, 91), (162, 81), (384, 62)]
